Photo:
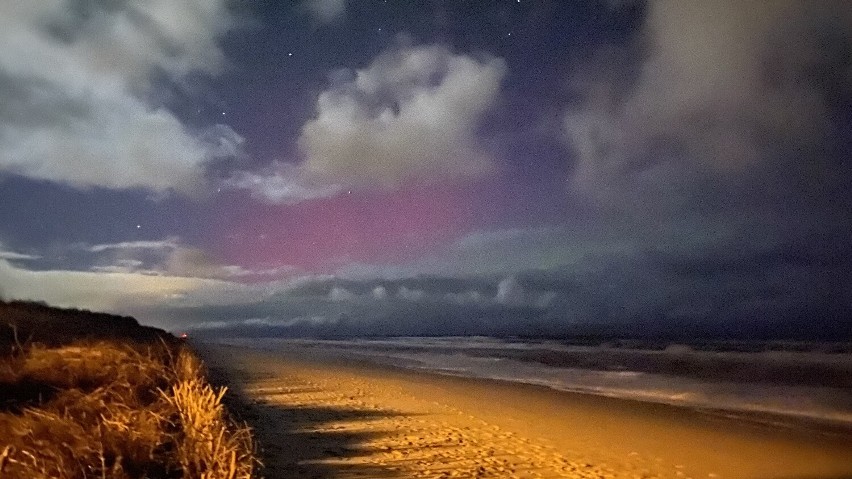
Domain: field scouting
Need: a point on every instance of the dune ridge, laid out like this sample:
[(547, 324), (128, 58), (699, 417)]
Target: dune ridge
[(109, 400)]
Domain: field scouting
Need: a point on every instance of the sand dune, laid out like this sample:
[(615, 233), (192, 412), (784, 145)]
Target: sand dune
[(321, 420)]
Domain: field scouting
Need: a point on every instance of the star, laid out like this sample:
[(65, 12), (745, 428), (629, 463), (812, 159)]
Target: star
[(138, 226)]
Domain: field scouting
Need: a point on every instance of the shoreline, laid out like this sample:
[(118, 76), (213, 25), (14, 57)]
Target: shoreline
[(617, 437), (769, 419), (810, 424)]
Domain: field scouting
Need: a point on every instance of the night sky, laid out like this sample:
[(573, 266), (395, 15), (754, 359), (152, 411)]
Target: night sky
[(432, 167)]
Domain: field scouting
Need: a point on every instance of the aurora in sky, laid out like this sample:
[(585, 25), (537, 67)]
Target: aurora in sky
[(431, 167)]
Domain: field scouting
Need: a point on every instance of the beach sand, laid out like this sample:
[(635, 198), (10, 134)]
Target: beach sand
[(317, 419)]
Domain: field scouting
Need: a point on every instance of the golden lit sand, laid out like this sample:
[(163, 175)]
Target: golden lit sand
[(320, 420)]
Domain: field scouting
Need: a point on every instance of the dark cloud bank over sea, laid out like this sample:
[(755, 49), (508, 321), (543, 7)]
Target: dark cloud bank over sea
[(663, 297)]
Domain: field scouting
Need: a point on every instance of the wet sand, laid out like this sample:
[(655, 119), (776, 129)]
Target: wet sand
[(318, 419)]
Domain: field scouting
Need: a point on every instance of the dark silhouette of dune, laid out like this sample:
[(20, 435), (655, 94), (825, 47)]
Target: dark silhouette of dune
[(24, 322)]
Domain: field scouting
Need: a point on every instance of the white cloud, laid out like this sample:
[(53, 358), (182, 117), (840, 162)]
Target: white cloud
[(75, 89), (410, 115), (723, 86), (166, 244), (281, 184), (340, 294), (11, 255), (510, 292), (380, 292), (326, 11)]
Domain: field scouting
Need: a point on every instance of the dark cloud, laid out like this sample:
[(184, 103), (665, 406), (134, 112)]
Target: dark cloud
[(713, 147), (645, 294), (726, 97)]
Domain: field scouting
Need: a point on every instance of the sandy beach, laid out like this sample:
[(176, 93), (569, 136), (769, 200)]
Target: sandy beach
[(326, 420)]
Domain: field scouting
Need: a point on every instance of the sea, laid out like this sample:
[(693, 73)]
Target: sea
[(782, 381)]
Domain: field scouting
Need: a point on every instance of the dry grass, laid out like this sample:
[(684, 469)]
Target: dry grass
[(111, 410), (207, 448)]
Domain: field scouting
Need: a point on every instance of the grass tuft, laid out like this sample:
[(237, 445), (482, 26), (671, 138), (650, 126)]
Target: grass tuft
[(110, 410), (209, 447)]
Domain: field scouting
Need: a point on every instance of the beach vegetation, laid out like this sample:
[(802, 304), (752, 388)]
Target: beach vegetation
[(110, 408)]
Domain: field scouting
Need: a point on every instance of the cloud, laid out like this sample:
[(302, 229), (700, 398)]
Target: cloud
[(278, 271), (504, 252), (719, 287), (510, 292), (424, 305), (410, 115), (380, 292), (76, 86), (267, 322), (340, 294), (467, 297), (326, 11), (116, 291), (711, 92), (197, 263), (166, 244), (281, 184), (11, 255), (409, 294), (127, 288), (169, 257), (120, 266), (14, 256)]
